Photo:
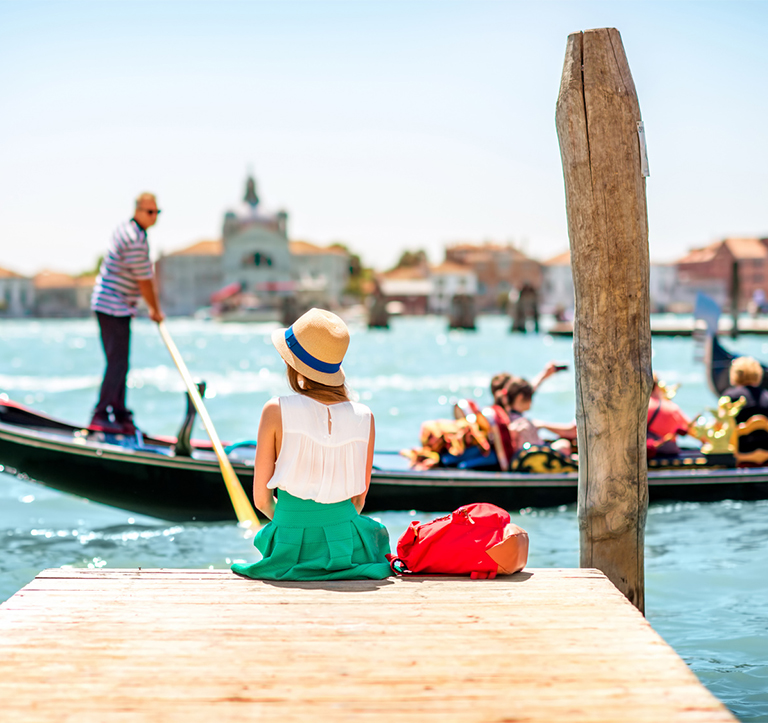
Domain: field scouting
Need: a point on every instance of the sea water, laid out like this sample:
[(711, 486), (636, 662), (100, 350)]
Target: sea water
[(706, 564)]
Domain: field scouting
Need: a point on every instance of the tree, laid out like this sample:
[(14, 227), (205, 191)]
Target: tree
[(358, 274), (94, 270), (411, 259)]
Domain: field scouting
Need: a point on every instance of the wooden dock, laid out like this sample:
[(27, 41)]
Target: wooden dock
[(96, 646)]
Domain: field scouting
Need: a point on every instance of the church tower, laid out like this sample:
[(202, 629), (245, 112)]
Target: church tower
[(256, 250)]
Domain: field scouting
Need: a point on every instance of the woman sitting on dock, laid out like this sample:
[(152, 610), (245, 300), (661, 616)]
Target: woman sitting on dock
[(316, 448)]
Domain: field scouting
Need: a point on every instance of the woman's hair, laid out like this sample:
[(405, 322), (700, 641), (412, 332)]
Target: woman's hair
[(316, 390), (746, 371), (497, 387), (516, 386)]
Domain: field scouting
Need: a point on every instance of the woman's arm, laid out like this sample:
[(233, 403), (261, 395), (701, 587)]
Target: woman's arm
[(267, 449), (359, 500), (567, 431)]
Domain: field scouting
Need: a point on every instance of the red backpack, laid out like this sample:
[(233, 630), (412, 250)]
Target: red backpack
[(477, 540)]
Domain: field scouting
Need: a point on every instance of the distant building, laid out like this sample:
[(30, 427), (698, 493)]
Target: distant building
[(663, 288), (63, 296), (558, 295), (253, 264), (17, 294), (499, 269), (321, 274), (450, 279), (407, 290), (187, 278), (255, 251), (557, 285), (710, 269)]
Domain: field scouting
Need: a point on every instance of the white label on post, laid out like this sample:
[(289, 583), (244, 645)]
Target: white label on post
[(643, 150)]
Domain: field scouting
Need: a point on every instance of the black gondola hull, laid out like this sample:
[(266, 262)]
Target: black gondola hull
[(183, 489), (171, 489), (147, 476), (718, 362)]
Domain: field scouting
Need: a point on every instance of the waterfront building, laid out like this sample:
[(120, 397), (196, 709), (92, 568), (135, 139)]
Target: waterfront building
[(254, 265), (321, 274), (557, 288), (557, 285), (17, 294), (500, 269), (255, 251), (663, 289), (710, 270), (449, 280), (188, 277), (406, 290), (63, 296)]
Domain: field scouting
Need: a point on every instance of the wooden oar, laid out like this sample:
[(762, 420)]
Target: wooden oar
[(243, 508)]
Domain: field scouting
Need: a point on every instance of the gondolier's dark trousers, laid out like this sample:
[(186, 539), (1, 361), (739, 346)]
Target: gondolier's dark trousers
[(116, 340)]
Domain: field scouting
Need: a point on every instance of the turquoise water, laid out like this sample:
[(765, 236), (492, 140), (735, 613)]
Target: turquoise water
[(706, 569)]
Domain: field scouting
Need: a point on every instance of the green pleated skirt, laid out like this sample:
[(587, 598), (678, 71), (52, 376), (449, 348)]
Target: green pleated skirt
[(308, 540)]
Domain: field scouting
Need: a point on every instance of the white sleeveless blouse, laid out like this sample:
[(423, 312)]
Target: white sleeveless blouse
[(318, 463)]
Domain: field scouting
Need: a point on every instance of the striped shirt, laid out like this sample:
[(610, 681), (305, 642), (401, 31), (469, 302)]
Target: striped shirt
[(116, 291)]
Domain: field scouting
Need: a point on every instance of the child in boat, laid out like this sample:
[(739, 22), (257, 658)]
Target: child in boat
[(499, 380), (516, 398), (316, 448)]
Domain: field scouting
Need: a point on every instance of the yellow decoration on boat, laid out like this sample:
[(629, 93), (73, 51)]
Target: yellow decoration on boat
[(719, 435), (543, 460), (668, 390)]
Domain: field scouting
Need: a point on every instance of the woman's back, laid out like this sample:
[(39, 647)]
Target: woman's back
[(319, 454), (324, 449)]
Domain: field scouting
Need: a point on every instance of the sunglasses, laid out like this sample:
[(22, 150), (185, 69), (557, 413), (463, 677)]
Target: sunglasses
[(151, 211)]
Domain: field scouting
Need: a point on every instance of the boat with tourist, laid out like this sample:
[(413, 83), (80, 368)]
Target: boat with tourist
[(178, 478)]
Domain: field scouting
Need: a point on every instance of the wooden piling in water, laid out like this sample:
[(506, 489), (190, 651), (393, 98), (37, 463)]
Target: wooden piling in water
[(102, 646), (602, 147), (735, 294)]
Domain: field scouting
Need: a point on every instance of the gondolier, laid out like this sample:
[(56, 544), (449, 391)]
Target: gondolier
[(125, 276)]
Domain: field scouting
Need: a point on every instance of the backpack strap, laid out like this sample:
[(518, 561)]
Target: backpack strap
[(397, 565), (501, 436), (650, 421)]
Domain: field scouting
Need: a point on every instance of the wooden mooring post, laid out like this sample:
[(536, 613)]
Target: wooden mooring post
[(602, 145), (735, 294)]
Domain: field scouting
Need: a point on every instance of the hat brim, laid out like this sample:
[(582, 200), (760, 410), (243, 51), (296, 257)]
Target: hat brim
[(336, 379)]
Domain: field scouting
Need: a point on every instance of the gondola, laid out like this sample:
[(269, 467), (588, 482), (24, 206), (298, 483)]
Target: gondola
[(718, 362), (717, 359), (179, 480)]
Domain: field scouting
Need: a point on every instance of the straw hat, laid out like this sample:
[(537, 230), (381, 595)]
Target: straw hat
[(314, 346)]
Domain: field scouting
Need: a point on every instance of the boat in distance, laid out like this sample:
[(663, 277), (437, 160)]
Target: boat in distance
[(179, 480)]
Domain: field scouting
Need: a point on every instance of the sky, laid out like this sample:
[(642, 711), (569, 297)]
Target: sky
[(382, 125)]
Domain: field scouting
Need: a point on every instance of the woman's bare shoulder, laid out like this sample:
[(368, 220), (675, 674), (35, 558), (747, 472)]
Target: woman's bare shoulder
[(270, 413)]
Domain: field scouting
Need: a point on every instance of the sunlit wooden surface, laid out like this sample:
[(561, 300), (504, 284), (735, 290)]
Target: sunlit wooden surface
[(205, 645)]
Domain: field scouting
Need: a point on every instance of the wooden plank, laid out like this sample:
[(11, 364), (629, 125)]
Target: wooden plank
[(201, 645)]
